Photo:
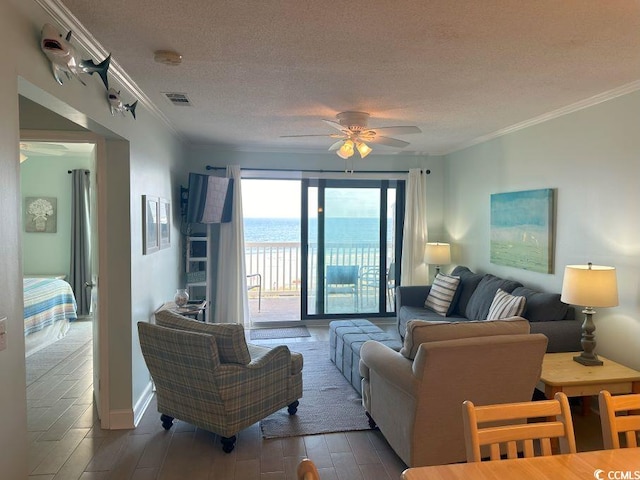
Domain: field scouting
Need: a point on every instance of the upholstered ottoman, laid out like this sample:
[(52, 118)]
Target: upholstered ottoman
[(345, 340)]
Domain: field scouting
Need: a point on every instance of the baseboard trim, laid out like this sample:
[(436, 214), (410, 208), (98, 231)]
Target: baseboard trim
[(121, 419), (143, 402)]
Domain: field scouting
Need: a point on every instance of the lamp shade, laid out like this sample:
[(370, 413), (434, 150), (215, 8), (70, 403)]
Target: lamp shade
[(437, 253), (346, 150), (590, 286), (363, 149)]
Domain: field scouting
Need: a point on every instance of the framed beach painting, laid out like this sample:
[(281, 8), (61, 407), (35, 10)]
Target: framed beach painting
[(522, 229), (164, 219), (150, 224)]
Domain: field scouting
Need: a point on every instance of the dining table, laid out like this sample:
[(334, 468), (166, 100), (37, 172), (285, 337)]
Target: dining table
[(617, 464)]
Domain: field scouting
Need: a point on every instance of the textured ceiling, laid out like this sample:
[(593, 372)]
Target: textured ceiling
[(460, 70)]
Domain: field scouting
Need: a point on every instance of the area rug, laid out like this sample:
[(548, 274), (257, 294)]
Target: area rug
[(42, 361), (271, 333), (329, 403)]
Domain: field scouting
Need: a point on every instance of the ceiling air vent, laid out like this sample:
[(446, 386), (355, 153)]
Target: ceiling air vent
[(178, 99)]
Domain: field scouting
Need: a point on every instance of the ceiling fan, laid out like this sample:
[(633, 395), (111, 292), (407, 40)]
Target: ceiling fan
[(354, 133), (41, 148)]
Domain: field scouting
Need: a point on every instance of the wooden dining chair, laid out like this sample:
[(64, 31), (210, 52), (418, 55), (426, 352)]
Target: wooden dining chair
[(307, 470), (613, 425), (515, 437)]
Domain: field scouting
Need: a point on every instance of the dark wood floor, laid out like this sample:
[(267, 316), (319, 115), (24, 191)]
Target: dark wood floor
[(66, 442)]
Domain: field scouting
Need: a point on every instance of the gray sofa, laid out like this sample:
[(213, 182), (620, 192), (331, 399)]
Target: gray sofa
[(546, 313)]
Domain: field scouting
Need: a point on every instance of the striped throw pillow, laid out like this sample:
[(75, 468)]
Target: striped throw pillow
[(442, 292), (505, 305)]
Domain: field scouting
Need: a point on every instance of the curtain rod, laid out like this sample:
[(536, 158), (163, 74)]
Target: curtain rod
[(86, 172), (209, 167)]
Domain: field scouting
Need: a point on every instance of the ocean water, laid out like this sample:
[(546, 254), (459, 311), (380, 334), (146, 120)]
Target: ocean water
[(337, 230)]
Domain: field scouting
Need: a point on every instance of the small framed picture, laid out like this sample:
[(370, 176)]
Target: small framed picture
[(40, 214), (164, 217), (150, 224)]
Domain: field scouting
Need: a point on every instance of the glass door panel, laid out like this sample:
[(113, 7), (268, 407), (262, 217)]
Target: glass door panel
[(350, 237), (352, 249)]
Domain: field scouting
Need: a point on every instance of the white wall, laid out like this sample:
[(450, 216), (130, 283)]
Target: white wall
[(142, 156), (592, 159)]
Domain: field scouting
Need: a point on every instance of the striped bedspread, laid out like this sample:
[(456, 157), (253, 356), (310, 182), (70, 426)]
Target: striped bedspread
[(46, 301)]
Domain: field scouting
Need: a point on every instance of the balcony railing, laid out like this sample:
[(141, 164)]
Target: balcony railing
[(280, 264)]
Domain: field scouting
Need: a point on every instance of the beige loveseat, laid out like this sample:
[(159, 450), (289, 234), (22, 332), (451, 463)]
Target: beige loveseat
[(415, 396)]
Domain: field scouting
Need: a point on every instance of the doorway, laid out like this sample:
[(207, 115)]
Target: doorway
[(49, 162)]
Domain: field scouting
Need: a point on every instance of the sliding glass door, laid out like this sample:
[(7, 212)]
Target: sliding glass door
[(352, 240)]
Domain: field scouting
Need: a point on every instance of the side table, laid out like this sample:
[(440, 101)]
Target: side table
[(560, 373), (193, 310)]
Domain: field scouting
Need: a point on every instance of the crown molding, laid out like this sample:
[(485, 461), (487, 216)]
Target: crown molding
[(574, 107), (85, 39)]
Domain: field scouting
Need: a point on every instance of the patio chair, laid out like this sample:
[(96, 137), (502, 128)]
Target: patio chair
[(342, 280), (369, 286), (207, 375), (391, 287), (254, 280)]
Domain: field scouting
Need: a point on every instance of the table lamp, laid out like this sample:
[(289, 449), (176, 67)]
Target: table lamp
[(437, 254), (591, 286)]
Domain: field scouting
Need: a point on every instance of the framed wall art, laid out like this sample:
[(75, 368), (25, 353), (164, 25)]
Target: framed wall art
[(150, 224), (164, 218), (522, 229), (40, 214)]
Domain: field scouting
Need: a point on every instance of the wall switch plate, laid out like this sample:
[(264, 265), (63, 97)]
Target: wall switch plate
[(3, 333)]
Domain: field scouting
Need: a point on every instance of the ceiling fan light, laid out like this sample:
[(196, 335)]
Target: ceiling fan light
[(346, 150), (363, 149)]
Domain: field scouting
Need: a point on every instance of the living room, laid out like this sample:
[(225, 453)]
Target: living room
[(588, 155)]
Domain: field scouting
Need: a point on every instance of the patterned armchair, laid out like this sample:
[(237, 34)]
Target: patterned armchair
[(207, 375)]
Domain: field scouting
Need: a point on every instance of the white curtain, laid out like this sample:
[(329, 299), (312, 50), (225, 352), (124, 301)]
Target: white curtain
[(414, 271), (232, 302)]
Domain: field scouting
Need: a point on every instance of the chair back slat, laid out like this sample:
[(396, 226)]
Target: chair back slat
[(512, 449)]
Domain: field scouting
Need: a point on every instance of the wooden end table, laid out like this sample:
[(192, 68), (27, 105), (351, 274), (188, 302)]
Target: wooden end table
[(560, 373)]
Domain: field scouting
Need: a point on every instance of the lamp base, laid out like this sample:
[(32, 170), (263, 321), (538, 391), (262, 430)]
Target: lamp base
[(588, 341), (588, 360)]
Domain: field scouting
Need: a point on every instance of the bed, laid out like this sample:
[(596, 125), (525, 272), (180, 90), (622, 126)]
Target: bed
[(49, 306)]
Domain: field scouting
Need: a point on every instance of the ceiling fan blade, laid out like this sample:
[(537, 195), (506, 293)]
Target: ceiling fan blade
[(397, 130), (336, 125), (336, 145), (297, 136), (390, 142), (41, 148)]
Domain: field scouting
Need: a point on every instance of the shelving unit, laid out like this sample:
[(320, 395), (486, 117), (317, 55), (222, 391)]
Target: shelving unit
[(196, 268)]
